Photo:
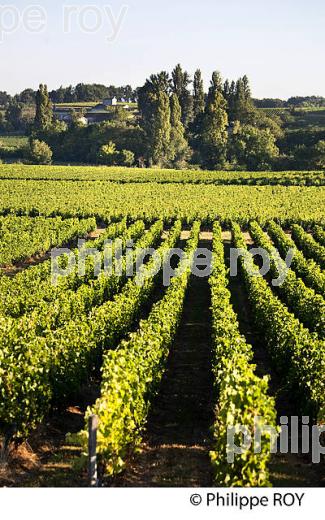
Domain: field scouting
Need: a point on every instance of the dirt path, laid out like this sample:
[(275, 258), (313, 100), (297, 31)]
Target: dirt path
[(241, 306), (175, 450), (46, 459)]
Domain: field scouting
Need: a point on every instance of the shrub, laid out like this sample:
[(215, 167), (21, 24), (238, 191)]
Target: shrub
[(126, 158), (40, 152), (110, 156)]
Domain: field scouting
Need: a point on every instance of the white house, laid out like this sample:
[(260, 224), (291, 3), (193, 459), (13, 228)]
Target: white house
[(110, 102)]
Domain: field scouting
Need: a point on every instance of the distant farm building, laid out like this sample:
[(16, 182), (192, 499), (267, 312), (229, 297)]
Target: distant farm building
[(98, 113), (110, 102), (94, 114), (66, 115), (62, 114)]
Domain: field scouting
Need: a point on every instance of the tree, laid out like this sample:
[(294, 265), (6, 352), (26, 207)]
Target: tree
[(242, 101), (5, 98), (263, 121), (252, 147), (148, 97), (2, 123), (126, 158), (161, 82), (215, 85), (246, 89), (154, 108), (70, 95), (161, 130), (179, 151), (269, 103), (319, 155), (44, 114), (40, 152), (110, 156), (27, 96), (229, 93), (180, 82), (214, 133), (120, 115), (14, 116), (198, 97), (226, 90), (57, 96)]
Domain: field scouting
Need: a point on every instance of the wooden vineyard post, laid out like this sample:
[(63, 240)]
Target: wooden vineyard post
[(92, 455)]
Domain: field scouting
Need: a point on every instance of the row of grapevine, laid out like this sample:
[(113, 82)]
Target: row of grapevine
[(308, 270), (308, 306), (23, 237), (138, 175), (169, 201), (37, 370), (71, 305), (319, 235), (242, 395), (131, 374), (308, 245), (34, 287), (298, 355)]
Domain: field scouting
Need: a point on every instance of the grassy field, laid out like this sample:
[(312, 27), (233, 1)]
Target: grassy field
[(13, 141), (90, 104), (84, 104), (311, 118)]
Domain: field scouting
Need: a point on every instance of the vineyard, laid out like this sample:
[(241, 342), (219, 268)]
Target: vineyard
[(168, 369)]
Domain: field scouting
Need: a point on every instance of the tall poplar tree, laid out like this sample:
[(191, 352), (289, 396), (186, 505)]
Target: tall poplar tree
[(214, 134), (161, 130), (198, 96), (44, 112), (242, 105), (180, 83), (179, 150), (148, 96)]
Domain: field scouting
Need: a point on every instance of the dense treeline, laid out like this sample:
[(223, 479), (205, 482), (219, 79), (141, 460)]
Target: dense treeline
[(83, 92), (179, 124), (292, 102), (73, 94), (18, 111)]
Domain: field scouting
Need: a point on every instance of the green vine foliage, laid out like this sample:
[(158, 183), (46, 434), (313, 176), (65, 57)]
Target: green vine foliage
[(242, 395), (298, 355), (308, 306), (23, 237), (308, 245), (40, 366), (30, 287), (308, 270), (319, 235), (131, 374)]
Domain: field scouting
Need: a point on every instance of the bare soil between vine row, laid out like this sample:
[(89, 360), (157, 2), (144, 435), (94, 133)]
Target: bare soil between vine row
[(178, 437)]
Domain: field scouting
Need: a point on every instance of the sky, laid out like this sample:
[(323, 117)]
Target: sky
[(279, 44)]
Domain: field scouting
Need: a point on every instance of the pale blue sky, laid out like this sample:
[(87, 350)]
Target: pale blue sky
[(279, 44)]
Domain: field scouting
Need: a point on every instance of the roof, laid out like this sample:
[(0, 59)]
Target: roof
[(98, 108)]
